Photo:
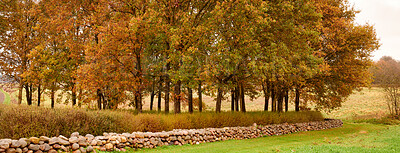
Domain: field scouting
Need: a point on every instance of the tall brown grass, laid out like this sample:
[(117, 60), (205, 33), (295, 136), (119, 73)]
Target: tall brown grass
[(24, 121)]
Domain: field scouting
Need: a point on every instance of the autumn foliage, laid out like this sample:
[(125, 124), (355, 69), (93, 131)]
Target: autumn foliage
[(115, 52)]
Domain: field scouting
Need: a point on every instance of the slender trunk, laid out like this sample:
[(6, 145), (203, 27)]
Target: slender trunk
[(99, 99), (199, 92), (167, 88), (177, 97), (273, 97), (103, 97), (280, 100), (297, 100), (159, 96), (286, 100), (28, 99), (219, 100), (138, 94), (52, 97), (266, 96), (190, 100), (39, 94), (242, 101), (21, 87), (237, 96), (73, 97), (152, 97), (232, 100)]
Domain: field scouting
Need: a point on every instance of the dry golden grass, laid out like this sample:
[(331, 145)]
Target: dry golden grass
[(368, 103)]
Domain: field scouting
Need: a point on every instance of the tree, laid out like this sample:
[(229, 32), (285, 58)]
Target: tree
[(387, 75), (346, 48), (18, 39)]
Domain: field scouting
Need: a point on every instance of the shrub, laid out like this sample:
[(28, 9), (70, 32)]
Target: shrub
[(25, 121)]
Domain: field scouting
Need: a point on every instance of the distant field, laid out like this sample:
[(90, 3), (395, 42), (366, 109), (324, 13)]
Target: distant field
[(368, 103)]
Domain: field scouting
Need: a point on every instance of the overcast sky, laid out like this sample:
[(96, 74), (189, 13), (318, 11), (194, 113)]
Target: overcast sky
[(385, 15)]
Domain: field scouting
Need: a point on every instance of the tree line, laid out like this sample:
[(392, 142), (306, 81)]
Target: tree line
[(117, 51)]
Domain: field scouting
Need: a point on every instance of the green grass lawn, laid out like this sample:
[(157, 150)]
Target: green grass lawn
[(352, 137), (7, 97)]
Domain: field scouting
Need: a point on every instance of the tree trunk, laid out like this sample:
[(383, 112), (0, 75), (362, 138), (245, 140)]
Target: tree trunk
[(103, 97), (190, 100), (232, 100), (52, 97), (219, 100), (138, 101), (286, 100), (99, 99), (266, 96), (237, 96), (199, 92), (152, 97), (273, 98), (167, 88), (280, 101), (159, 96), (21, 87), (39, 94), (73, 95), (242, 101), (28, 94), (177, 97), (297, 100), (139, 77)]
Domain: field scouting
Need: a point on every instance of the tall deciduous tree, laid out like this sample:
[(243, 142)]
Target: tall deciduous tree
[(18, 38)]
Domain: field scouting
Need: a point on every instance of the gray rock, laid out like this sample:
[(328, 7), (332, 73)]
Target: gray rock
[(82, 141), (64, 142), (65, 149), (25, 149), (73, 140), (41, 147), (56, 146), (63, 137), (18, 150), (83, 150), (11, 150), (75, 146), (34, 140), (44, 138), (109, 146), (22, 142), (76, 151), (89, 136), (75, 134), (89, 149), (4, 145), (47, 147), (52, 151), (54, 140), (33, 147), (15, 144)]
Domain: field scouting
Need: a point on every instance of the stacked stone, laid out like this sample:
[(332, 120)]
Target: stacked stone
[(117, 142)]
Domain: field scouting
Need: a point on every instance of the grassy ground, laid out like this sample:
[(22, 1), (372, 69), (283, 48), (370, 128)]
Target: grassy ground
[(7, 97), (368, 103), (352, 137)]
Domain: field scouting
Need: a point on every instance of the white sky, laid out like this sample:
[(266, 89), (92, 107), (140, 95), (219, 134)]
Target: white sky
[(385, 15)]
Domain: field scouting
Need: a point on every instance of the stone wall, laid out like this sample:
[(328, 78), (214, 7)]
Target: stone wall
[(117, 142)]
